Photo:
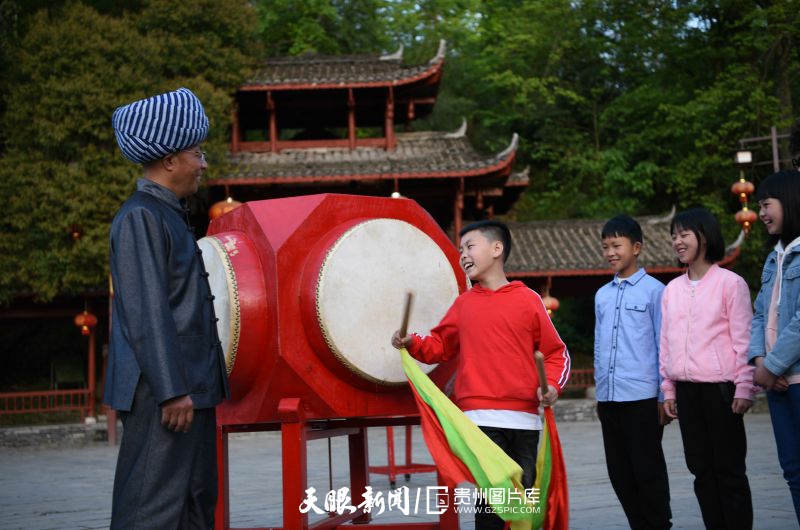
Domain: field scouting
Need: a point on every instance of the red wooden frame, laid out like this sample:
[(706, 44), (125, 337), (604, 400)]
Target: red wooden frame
[(45, 401), (296, 432), (406, 469)]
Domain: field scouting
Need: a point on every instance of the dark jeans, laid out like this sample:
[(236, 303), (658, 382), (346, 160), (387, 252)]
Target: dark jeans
[(521, 445), (164, 480), (784, 407), (715, 447), (635, 461)]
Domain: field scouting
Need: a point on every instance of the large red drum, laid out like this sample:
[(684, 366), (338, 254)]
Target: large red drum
[(308, 291)]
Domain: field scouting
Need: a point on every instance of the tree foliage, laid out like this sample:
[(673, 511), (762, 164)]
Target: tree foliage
[(620, 105), (61, 169)]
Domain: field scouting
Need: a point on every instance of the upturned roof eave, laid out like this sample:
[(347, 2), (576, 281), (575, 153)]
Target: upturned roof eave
[(434, 67), (485, 170), (728, 261), (431, 72), (495, 165)]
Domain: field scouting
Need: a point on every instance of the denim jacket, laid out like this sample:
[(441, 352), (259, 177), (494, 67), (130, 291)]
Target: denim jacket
[(784, 359)]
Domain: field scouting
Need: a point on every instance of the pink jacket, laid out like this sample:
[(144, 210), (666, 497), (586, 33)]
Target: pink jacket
[(705, 332)]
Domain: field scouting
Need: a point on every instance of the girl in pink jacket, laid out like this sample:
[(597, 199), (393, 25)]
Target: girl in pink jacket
[(706, 381)]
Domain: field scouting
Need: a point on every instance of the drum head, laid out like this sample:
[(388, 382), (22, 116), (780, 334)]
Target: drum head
[(361, 289), (222, 280)]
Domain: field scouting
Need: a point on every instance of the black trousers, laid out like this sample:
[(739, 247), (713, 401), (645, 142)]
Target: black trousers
[(635, 461), (164, 480), (521, 445), (715, 447)]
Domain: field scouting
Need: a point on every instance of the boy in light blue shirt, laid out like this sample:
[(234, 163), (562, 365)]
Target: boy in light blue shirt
[(626, 334)]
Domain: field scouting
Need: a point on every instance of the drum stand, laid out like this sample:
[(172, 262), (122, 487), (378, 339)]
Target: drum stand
[(296, 432), (406, 469)]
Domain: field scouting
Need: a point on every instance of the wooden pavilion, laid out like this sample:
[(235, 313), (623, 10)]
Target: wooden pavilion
[(322, 124)]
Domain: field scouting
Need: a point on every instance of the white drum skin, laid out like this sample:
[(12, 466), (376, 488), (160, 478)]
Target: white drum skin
[(222, 280), (361, 288)]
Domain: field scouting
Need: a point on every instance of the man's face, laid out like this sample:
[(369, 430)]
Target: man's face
[(190, 164)]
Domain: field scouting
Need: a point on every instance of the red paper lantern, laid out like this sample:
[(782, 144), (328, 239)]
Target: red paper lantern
[(742, 189), (85, 321), (551, 303), (220, 208), (746, 218)]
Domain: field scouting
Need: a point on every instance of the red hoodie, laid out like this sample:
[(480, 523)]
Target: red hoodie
[(494, 335)]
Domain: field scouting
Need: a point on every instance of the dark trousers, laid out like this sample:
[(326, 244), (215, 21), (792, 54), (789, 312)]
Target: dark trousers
[(164, 480), (521, 445), (715, 447), (784, 407), (635, 461)]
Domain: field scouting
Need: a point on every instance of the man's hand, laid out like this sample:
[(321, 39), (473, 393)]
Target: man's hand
[(177, 413), (670, 408), (741, 405), (401, 342), (549, 399), (663, 418)]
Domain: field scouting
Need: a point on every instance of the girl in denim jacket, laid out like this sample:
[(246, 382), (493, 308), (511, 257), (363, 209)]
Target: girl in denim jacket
[(775, 337), (707, 383)]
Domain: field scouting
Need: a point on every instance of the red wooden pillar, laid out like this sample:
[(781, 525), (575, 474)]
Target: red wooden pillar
[(222, 515), (92, 380), (408, 445), (273, 123), (458, 209), (392, 468), (295, 462), (235, 133), (409, 115), (111, 414), (351, 119), (389, 124), (359, 470)]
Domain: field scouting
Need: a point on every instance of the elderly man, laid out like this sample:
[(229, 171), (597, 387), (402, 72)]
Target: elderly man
[(165, 367)]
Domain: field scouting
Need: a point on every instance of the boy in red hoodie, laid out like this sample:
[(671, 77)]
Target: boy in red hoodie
[(493, 329)]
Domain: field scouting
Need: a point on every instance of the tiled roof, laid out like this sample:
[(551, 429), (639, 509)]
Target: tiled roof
[(574, 245), (339, 70), (417, 154), (520, 178)]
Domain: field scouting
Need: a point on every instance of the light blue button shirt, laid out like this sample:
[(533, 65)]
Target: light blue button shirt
[(626, 334)]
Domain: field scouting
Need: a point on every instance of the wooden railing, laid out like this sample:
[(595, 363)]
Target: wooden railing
[(78, 400), (581, 378), (45, 401)]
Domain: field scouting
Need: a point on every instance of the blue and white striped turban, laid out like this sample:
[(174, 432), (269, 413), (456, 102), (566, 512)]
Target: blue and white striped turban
[(150, 129)]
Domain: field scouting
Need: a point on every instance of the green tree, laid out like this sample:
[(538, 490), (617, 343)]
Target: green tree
[(61, 169), (631, 106), (328, 27)]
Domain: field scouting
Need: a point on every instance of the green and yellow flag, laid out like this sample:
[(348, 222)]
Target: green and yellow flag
[(463, 453)]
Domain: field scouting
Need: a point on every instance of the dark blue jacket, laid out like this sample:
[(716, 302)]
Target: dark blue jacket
[(163, 326)]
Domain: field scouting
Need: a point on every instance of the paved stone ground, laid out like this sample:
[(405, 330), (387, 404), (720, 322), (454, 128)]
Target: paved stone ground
[(70, 487)]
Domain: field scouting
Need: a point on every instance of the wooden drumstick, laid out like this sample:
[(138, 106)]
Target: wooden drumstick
[(406, 314), (537, 355)]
